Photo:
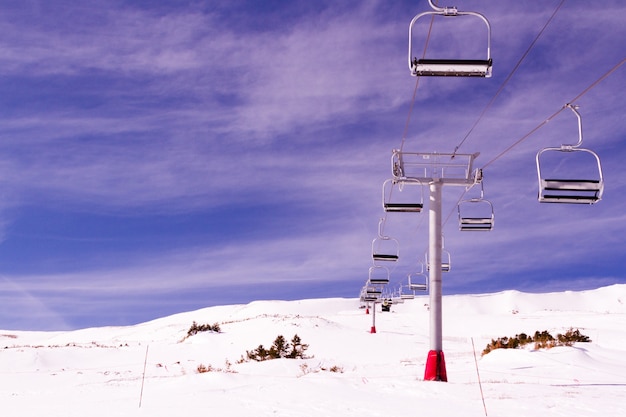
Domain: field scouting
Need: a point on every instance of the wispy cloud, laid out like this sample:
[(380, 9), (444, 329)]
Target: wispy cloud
[(272, 130)]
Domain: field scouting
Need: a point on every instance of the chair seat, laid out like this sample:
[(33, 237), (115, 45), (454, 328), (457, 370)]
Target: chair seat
[(571, 185), (418, 287), (576, 199), (452, 67), (485, 228), (404, 207), (384, 257), (476, 220)]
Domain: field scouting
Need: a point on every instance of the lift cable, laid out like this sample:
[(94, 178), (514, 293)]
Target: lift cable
[(493, 99), (500, 89), (417, 81), (408, 118), (540, 125), (586, 90), (515, 68)]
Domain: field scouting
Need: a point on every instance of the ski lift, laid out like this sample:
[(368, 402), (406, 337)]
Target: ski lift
[(398, 198), (407, 295), (378, 275), (372, 290), (450, 67), (476, 214), (418, 281), (445, 259), (568, 189), (396, 296), (396, 300), (384, 248), (369, 294)]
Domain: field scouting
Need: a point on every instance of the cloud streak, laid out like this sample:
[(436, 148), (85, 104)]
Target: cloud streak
[(154, 149)]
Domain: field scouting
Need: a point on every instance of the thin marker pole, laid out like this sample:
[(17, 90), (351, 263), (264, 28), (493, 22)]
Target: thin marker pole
[(478, 374), (143, 377)]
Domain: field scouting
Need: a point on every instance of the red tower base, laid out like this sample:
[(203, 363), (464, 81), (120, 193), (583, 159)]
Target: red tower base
[(373, 329), (435, 367)]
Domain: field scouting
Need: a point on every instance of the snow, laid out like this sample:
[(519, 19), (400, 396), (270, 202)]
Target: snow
[(351, 372)]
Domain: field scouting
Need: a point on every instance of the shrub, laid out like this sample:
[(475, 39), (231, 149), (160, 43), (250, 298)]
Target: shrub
[(572, 336), (258, 354), (297, 348), (542, 340), (203, 368), (280, 349), (198, 328)]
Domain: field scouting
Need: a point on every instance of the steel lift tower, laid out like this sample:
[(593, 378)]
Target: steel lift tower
[(437, 170)]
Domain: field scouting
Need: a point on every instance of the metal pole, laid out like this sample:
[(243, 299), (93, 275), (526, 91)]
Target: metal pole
[(373, 329), (435, 363), (434, 261)]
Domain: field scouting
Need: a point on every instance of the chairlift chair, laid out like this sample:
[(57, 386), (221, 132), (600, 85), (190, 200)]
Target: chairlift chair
[(378, 275), (397, 296), (418, 281), (384, 248), (407, 295), (393, 298), (370, 293), (476, 214), (401, 195), (369, 298), (567, 189), (372, 290), (450, 67), (445, 261), (397, 300)]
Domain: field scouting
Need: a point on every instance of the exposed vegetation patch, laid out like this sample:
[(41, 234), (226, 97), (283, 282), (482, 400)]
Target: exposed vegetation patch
[(542, 340), (199, 328), (210, 368), (306, 369), (279, 349)]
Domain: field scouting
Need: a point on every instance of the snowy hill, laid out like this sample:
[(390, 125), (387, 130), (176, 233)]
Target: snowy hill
[(351, 372)]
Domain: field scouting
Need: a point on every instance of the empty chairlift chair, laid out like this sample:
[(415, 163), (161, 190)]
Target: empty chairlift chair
[(396, 299), (418, 281), (378, 275), (369, 294), (449, 67), (403, 195), (476, 214), (407, 294), (445, 261), (384, 248), (583, 185)]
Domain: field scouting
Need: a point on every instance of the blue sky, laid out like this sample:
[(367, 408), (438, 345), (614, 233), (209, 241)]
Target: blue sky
[(163, 156)]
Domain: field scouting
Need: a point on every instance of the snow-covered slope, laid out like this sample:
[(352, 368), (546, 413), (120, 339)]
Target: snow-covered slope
[(351, 372)]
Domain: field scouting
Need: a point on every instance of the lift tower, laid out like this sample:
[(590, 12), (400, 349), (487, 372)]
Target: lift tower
[(436, 170)]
